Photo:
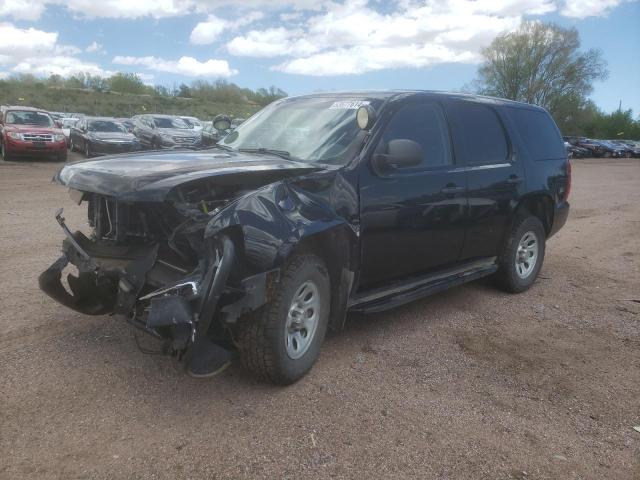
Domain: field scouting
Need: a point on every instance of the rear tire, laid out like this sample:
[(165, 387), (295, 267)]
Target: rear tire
[(523, 255), (281, 341)]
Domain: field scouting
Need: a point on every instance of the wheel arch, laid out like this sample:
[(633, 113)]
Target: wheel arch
[(538, 204)]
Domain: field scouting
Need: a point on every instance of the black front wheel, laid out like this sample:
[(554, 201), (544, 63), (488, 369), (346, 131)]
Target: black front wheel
[(87, 149), (281, 341), (523, 255)]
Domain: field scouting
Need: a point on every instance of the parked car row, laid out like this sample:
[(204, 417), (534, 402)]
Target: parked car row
[(579, 147), (35, 132)]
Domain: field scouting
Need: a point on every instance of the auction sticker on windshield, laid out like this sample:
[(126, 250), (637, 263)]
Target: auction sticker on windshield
[(348, 104)]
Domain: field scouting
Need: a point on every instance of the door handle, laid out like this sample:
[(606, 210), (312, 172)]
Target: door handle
[(514, 180), (450, 189)]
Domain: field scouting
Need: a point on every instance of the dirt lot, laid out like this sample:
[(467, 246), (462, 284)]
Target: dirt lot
[(472, 383)]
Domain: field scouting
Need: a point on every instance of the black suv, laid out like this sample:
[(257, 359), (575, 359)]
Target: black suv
[(316, 206), (165, 131)]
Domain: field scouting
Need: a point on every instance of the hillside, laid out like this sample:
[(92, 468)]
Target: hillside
[(91, 102)]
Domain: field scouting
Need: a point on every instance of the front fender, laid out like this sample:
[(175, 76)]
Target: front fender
[(287, 216), (275, 219)]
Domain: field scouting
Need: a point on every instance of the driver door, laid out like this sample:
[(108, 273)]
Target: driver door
[(412, 219)]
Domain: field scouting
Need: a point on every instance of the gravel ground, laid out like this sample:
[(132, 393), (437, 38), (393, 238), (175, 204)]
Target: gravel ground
[(473, 383)]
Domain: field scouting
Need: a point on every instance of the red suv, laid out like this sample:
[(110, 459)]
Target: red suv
[(27, 131)]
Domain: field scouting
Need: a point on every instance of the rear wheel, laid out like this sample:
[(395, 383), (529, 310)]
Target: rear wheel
[(523, 255), (281, 341)]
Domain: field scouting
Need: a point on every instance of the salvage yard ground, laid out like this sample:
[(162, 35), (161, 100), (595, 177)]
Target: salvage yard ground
[(473, 383)]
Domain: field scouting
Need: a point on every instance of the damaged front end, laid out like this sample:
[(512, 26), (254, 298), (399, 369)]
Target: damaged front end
[(150, 262)]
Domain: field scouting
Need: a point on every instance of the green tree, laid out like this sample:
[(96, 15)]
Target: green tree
[(126, 83), (541, 63)]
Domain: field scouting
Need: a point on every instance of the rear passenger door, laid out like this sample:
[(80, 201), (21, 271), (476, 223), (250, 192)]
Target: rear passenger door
[(495, 179)]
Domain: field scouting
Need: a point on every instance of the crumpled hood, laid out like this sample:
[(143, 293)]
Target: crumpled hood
[(151, 176)]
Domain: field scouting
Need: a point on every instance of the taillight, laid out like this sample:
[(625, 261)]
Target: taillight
[(567, 189)]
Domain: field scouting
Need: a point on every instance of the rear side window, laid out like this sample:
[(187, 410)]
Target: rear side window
[(478, 134), (423, 123), (539, 133)]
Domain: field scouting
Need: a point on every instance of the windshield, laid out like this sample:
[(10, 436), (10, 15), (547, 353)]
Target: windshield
[(322, 130), (169, 122), (105, 126), (21, 117)]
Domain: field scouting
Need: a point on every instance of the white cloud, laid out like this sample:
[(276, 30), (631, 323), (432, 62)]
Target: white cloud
[(21, 9), (272, 42), (353, 37), (33, 9), (18, 42), (355, 60), (308, 37), (95, 47), (59, 65), (208, 31), (588, 8), (187, 66), (33, 51)]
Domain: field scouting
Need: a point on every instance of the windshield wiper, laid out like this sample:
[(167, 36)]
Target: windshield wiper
[(269, 151)]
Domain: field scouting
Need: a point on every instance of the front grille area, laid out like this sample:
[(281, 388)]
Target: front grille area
[(37, 137)]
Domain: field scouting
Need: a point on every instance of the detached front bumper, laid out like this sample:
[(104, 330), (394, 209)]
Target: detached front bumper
[(109, 279), (128, 280)]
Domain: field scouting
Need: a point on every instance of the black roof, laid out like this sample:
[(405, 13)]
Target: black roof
[(390, 95)]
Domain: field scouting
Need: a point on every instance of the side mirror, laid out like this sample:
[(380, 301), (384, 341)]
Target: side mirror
[(402, 153), (221, 123)]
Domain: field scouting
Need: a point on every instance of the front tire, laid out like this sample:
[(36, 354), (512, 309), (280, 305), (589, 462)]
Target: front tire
[(281, 341), (87, 150), (523, 255)]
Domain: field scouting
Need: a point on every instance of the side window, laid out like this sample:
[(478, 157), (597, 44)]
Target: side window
[(539, 133), (425, 124), (478, 134)]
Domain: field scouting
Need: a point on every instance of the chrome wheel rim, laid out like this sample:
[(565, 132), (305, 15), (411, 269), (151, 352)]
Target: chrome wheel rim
[(302, 320), (526, 255)]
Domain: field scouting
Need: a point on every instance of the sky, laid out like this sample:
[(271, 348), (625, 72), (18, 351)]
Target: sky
[(304, 46)]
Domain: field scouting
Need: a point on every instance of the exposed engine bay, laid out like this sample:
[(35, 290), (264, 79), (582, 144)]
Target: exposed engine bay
[(150, 261)]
